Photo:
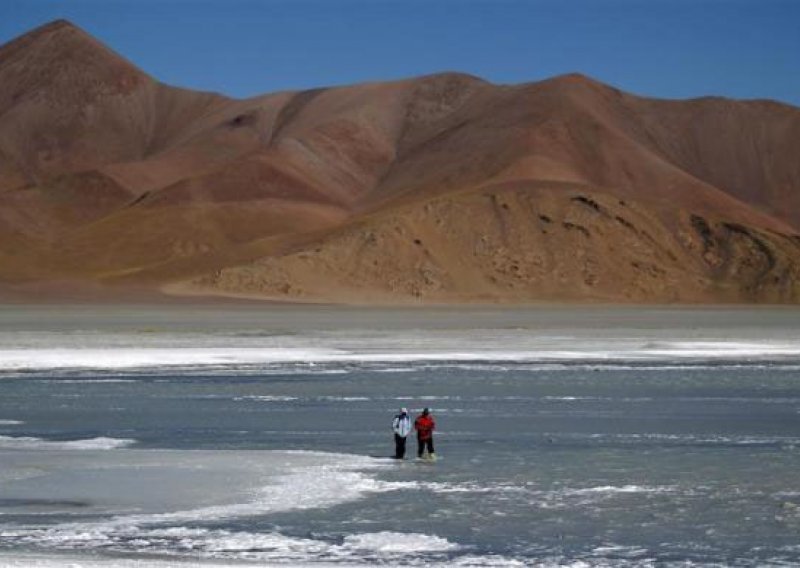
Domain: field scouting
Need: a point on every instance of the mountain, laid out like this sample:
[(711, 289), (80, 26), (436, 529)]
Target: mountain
[(443, 188)]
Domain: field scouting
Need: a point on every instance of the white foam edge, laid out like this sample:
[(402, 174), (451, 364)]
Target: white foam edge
[(32, 443), (62, 560), (121, 358), (217, 544)]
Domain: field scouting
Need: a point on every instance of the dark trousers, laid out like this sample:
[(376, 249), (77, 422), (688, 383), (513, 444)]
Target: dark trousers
[(399, 447), (421, 444)]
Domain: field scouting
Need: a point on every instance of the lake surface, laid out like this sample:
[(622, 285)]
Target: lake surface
[(567, 436)]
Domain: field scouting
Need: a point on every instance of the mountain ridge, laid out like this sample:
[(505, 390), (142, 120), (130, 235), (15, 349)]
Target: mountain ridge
[(121, 180)]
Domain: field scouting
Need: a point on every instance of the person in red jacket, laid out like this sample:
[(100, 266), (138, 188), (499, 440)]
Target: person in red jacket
[(425, 425)]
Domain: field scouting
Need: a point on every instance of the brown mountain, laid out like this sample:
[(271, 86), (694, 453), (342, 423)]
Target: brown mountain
[(443, 188)]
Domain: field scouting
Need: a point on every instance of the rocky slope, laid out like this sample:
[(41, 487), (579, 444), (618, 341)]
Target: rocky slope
[(443, 188)]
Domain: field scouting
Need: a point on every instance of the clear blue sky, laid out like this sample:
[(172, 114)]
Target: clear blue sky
[(664, 48)]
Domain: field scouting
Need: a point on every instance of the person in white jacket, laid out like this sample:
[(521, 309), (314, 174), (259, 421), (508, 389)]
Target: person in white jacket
[(401, 426)]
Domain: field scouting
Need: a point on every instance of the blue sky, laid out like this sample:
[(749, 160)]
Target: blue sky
[(663, 48)]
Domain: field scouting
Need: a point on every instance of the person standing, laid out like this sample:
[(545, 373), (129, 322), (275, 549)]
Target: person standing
[(425, 425), (401, 425)]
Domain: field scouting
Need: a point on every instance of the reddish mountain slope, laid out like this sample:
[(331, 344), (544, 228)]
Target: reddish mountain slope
[(441, 188)]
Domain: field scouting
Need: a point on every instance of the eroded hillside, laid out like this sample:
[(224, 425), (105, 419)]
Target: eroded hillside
[(444, 188)]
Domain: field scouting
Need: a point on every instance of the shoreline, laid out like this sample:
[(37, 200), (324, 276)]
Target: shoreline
[(168, 296), (588, 322), (89, 294)]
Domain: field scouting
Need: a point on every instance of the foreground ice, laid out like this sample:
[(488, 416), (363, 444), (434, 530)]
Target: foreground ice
[(155, 501), (30, 560), (171, 485)]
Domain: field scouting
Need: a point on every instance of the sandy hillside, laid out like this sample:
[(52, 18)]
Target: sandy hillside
[(442, 188)]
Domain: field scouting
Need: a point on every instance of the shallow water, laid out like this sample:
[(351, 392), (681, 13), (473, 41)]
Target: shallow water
[(620, 437)]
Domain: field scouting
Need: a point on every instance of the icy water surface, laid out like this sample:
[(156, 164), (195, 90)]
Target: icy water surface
[(595, 437)]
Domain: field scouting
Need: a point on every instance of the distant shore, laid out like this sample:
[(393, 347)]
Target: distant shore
[(78, 293)]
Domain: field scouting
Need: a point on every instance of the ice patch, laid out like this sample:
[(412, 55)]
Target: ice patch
[(734, 349), (546, 498), (470, 560), (30, 443), (126, 358), (331, 480), (611, 490), (290, 480), (445, 487), (267, 398), (85, 381), (679, 439), (317, 354), (394, 542), (221, 544)]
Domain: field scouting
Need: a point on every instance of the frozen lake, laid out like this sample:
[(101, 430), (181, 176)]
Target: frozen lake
[(568, 436)]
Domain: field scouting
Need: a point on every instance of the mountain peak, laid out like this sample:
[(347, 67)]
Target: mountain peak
[(576, 77), (59, 53), (577, 80), (58, 30), (56, 41), (58, 24)]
